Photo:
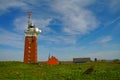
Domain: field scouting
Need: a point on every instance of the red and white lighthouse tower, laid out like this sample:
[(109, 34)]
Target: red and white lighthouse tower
[(30, 47)]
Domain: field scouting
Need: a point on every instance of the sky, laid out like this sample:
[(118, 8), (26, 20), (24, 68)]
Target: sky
[(70, 28)]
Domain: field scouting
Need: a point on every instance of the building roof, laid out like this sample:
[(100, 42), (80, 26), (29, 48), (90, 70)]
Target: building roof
[(53, 61)]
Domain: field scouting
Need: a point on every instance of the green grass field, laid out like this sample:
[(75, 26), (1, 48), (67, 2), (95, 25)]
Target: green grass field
[(21, 71)]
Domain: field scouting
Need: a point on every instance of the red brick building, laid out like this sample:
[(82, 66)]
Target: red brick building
[(53, 61)]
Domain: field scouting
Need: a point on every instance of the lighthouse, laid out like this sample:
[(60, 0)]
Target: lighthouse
[(30, 46)]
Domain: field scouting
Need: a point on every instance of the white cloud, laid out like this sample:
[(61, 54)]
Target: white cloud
[(5, 5), (42, 23), (114, 6), (60, 39), (112, 21), (21, 23), (11, 55), (11, 39), (104, 39), (76, 17)]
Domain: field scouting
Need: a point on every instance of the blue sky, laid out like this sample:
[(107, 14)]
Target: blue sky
[(70, 28)]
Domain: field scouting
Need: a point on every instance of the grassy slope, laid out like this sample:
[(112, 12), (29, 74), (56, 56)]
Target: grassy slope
[(20, 71)]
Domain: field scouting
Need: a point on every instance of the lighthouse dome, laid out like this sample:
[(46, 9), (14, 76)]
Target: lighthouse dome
[(37, 30)]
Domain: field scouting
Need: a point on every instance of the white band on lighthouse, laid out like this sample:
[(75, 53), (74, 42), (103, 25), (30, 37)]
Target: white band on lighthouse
[(32, 32)]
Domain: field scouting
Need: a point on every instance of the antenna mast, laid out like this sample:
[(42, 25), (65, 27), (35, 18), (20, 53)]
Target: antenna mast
[(29, 21)]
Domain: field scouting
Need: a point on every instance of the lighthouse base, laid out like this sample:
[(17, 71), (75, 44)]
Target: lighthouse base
[(30, 49)]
